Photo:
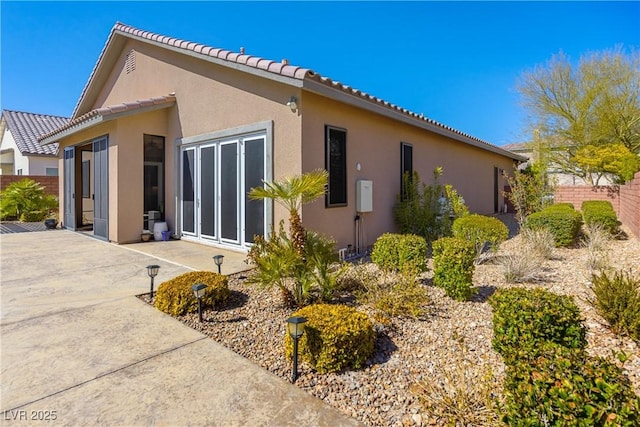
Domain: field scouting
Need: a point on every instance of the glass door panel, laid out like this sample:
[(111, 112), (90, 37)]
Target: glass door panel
[(207, 191), (253, 176), (229, 191), (188, 191)]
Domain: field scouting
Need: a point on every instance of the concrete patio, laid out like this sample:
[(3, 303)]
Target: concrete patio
[(77, 343)]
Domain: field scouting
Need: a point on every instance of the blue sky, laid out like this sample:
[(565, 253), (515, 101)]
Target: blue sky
[(455, 62)]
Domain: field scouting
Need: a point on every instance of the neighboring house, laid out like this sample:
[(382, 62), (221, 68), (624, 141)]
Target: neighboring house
[(559, 177), (20, 151), (178, 127)]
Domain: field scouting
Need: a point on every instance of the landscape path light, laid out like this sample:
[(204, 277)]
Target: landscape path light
[(218, 260), (198, 291), (152, 271), (295, 325)]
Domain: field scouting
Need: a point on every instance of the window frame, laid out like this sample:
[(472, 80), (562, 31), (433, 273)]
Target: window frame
[(327, 164)]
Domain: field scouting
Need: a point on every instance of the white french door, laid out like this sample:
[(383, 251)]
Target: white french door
[(216, 177)]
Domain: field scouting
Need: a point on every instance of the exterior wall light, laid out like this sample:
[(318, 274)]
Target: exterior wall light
[(198, 291), (296, 329), (218, 260), (152, 271), (293, 104)]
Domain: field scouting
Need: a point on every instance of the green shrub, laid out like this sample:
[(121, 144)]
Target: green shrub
[(23, 197), (394, 294), (560, 206), (617, 299), (481, 230), (176, 297), (562, 387), (563, 223), (335, 337), (400, 252), (453, 266), (524, 319), (600, 212), (33, 216)]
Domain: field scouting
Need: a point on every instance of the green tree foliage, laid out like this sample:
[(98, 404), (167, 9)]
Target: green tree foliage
[(613, 160), (23, 197), (530, 192), (595, 102)]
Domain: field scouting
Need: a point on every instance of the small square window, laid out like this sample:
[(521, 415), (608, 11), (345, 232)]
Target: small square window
[(51, 171)]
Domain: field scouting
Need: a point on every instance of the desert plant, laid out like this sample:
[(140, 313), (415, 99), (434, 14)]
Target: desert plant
[(523, 319), (466, 396), (400, 252), (482, 231), (453, 267), (617, 299), (600, 212), (595, 240), (427, 210), (395, 294), (520, 268), (25, 196), (176, 297), (538, 243), (563, 223), (530, 190), (336, 337)]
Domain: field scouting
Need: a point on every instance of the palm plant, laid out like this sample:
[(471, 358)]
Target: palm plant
[(25, 196), (292, 193)]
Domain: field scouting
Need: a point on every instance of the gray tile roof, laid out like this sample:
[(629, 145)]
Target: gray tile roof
[(26, 128)]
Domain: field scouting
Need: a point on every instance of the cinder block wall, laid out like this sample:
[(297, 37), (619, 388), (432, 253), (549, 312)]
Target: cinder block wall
[(576, 194), (50, 183), (630, 204)]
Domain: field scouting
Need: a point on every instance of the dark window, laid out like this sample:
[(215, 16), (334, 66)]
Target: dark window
[(154, 173), (336, 165), (86, 179), (406, 166)]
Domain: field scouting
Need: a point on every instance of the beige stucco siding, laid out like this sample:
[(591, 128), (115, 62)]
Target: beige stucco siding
[(373, 142)]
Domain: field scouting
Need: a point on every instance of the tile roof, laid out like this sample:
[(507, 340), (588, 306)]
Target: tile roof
[(26, 128), (106, 112), (284, 70)]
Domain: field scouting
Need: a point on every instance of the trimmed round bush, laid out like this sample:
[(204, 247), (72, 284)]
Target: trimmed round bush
[(563, 223), (453, 266), (400, 252), (335, 337), (481, 230), (524, 319), (560, 206), (176, 297), (600, 212)]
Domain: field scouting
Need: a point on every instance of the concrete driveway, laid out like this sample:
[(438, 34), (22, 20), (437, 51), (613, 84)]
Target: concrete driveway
[(78, 348)]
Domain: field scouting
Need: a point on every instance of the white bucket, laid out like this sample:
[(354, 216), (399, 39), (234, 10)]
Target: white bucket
[(158, 228)]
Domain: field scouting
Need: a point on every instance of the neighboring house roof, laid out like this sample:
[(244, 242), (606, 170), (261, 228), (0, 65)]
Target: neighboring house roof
[(518, 147), (100, 115), (26, 128), (280, 71)]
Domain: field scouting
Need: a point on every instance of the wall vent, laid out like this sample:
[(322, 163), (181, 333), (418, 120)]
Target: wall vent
[(130, 61)]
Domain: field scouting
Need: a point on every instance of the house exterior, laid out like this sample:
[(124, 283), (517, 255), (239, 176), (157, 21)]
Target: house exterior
[(176, 127), (20, 151)]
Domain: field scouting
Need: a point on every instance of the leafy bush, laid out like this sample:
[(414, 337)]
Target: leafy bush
[(617, 299), (524, 319), (427, 210), (481, 230), (25, 196), (335, 337), (560, 206), (400, 252), (453, 266), (561, 386), (395, 294), (530, 191), (538, 243), (562, 222), (33, 216), (600, 212), (176, 297)]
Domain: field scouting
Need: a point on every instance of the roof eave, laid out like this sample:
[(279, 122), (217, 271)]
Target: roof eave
[(356, 101)]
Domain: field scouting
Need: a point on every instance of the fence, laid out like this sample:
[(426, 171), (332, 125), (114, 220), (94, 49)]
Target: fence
[(50, 183), (624, 198)]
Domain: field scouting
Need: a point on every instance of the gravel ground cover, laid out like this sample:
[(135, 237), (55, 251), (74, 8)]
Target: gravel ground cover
[(450, 347)]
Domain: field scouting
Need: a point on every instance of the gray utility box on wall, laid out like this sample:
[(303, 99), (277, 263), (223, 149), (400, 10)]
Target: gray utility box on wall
[(364, 196)]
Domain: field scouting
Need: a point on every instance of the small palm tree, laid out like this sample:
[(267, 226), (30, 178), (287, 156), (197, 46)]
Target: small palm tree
[(25, 196), (292, 193)]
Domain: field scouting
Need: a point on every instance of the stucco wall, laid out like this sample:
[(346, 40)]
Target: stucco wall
[(373, 141)]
